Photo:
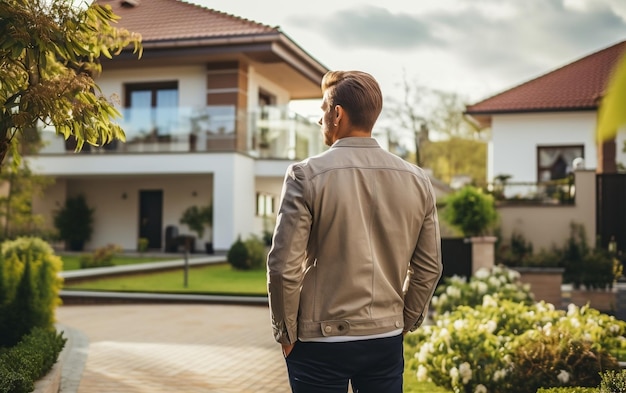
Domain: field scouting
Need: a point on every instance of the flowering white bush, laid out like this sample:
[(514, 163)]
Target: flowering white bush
[(499, 282), (507, 346)]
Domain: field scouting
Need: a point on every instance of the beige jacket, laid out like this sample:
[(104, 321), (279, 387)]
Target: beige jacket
[(351, 223)]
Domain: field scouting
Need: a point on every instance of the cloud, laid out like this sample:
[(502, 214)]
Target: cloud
[(532, 39), (370, 27)]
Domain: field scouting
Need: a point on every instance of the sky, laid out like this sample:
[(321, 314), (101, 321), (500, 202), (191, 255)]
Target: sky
[(475, 48)]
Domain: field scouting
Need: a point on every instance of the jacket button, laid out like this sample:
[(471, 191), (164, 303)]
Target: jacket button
[(328, 329), (397, 324)]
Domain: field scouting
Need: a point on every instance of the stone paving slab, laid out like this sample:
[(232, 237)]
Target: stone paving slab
[(177, 348)]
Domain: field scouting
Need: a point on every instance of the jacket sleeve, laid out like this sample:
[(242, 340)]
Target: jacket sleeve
[(425, 268), (285, 260)]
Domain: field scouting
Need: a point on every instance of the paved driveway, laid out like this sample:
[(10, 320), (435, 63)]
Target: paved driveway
[(172, 348)]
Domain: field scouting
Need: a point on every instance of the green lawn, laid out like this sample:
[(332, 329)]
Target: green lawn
[(213, 279), (71, 262)]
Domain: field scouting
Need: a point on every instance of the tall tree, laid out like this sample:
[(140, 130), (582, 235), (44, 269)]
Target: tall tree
[(50, 52), (442, 137)]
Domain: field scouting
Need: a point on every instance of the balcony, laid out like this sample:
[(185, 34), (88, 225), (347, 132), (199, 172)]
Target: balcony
[(271, 132), (553, 192)]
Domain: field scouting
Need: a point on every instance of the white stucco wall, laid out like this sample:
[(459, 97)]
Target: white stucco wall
[(515, 138), (104, 178), (191, 82)]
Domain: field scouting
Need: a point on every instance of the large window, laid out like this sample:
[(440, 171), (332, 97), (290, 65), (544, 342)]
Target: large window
[(265, 204), (555, 162), (152, 108)]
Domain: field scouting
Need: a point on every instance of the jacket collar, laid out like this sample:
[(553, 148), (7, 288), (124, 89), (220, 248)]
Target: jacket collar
[(355, 142)]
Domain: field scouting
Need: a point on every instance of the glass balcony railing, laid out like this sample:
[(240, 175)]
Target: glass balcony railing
[(270, 132), (553, 192)]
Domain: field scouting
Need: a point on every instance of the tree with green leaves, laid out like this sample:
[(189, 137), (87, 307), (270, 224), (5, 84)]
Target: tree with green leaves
[(50, 52), (444, 140)]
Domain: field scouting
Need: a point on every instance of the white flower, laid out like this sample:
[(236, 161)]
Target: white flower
[(454, 374), (494, 281), (499, 374), (571, 309), (481, 287), (489, 301), (444, 333), (482, 273), (490, 326), (563, 377), (587, 337), (460, 324), (547, 328), (465, 371), (457, 280), (614, 329), (425, 350), (422, 373), (513, 274), (453, 292), (434, 301), (480, 388), (574, 322)]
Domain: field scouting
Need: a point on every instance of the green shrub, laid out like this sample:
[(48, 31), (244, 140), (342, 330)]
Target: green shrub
[(100, 257), (29, 287), (256, 252), (142, 245), (507, 346), (471, 211), (238, 255), (29, 360), (74, 221), (613, 381)]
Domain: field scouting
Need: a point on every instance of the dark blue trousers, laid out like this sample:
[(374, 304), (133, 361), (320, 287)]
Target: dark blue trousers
[(372, 366)]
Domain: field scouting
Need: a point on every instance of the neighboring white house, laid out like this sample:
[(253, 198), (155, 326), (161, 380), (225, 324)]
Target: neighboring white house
[(541, 129), (205, 111), (541, 126)]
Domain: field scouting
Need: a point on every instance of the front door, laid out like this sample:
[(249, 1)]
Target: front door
[(151, 217)]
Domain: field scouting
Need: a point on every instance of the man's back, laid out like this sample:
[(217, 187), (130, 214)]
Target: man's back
[(368, 207)]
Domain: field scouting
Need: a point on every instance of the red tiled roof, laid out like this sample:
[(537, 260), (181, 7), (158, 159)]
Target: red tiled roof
[(159, 20), (575, 86)]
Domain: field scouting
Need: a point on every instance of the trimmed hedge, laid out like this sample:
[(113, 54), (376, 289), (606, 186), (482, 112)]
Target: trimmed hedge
[(29, 360)]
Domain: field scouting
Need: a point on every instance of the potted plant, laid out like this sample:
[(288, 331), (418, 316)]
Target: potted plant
[(74, 221), (474, 213), (199, 218)]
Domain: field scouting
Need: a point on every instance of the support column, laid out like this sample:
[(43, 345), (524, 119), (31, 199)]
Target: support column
[(483, 252)]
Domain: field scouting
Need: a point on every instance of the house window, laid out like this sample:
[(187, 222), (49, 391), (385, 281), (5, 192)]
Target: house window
[(555, 162), (264, 204), (152, 108)]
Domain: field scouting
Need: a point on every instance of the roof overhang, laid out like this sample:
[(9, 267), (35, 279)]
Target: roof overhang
[(483, 119), (274, 56)]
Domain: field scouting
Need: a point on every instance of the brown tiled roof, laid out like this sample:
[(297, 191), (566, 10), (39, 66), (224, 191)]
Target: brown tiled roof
[(575, 86), (160, 20)]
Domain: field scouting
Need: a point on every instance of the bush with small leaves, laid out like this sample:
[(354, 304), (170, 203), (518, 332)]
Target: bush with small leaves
[(100, 257), (613, 382), (29, 360), (257, 252), (238, 255)]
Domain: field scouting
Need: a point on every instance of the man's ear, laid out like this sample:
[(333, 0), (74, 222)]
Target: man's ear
[(339, 113)]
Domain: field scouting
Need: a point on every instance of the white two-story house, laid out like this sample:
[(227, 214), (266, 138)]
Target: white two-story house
[(206, 117)]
